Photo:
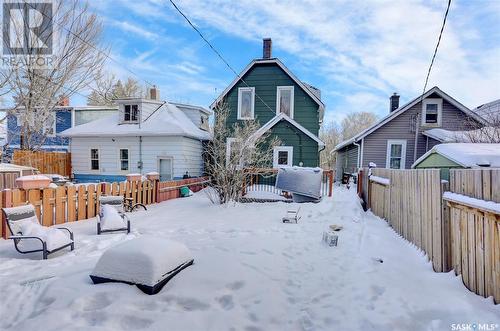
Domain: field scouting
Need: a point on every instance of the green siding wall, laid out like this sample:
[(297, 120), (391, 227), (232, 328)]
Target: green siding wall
[(435, 160), (265, 78), (305, 149)]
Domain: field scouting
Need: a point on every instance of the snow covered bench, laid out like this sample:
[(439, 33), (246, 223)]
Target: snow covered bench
[(30, 236), (147, 262)]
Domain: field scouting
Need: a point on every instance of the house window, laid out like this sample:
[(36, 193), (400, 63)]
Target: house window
[(246, 103), (431, 112), (124, 159), (282, 156), (131, 113), (94, 159), (396, 154), (284, 100)]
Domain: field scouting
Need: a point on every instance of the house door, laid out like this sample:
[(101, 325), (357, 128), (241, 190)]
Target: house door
[(165, 169)]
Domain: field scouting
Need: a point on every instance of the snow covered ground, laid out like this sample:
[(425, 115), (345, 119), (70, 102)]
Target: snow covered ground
[(251, 272)]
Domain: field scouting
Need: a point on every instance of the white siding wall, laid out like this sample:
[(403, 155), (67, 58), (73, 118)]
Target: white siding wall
[(186, 153)]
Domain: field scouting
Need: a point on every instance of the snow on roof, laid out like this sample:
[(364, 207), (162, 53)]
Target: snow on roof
[(168, 120), (489, 111), (186, 106), (389, 117), (486, 134), (468, 155), (8, 167)]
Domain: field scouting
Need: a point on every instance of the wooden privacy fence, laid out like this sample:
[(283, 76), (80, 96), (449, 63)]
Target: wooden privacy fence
[(170, 190), (45, 162), (410, 200), (475, 230), (75, 203)]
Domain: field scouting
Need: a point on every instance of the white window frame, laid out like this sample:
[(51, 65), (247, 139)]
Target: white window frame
[(138, 113), (276, 151), (391, 142), (120, 158), (439, 103), (240, 91), (278, 98), (98, 158)]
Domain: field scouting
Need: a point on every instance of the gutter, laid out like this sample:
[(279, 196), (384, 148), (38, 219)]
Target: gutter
[(359, 153)]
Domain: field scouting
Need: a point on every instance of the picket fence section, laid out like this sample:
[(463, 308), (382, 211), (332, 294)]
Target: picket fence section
[(475, 233), (74, 203)]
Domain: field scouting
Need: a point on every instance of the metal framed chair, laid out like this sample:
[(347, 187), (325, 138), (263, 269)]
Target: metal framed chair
[(118, 203), (292, 216), (16, 216)]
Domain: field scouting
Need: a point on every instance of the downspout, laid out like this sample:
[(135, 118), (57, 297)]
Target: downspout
[(139, 164), (416, 139), (359, 154), (362, 152)]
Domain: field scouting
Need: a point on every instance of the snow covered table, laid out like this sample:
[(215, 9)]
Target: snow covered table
[(148, 262)]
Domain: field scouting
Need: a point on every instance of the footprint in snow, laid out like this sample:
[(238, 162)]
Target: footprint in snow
[(226, 302), (236, 285)]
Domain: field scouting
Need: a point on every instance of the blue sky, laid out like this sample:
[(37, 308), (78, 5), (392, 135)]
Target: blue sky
[(357, 52)]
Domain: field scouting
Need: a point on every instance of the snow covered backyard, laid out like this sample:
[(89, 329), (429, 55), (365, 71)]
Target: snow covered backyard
[(251, 272)]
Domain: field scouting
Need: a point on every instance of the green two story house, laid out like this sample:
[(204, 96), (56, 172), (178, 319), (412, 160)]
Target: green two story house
[(283, 105)]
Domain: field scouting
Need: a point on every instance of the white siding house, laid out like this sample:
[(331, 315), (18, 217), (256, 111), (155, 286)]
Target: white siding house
[(143, 136)]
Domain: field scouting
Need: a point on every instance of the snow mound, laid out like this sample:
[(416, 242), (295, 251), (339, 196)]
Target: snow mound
[(148, 262)]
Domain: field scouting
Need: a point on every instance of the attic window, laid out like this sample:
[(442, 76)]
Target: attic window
[(130, 113), (246, 103), (431, 112)]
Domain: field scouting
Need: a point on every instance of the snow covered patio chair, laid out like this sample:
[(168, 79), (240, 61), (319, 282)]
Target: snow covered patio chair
[(30, 236), (111, 217)]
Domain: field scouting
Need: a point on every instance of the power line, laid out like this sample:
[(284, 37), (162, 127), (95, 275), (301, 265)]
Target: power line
[(437, 45), (217, 52), (94, 47), (417, 117)]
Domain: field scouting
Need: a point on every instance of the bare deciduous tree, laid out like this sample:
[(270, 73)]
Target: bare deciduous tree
[(356, 122), (330, 135), (76, 60), (108, 89), (487, 133), (232, 151)]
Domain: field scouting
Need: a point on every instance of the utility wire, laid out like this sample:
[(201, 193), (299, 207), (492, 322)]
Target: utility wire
[(437, 45), (93, 46), (219, 55), (417, 117)]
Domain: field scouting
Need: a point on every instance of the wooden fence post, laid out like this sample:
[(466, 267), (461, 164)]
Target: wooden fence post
[(330, 183), (6, 202)]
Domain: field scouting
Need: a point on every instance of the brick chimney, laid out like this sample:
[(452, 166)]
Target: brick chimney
[(394, 103), (154, 93), (63, 101), (267, 48)]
